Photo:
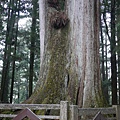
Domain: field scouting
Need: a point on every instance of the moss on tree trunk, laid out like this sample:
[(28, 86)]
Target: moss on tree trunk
[(70, 64)]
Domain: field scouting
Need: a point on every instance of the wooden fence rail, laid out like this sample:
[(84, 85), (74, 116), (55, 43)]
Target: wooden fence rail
[(66, 111), (31, 106), (110, 113), (62, 107)]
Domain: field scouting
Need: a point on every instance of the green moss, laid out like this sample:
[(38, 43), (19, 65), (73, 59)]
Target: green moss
[(53, 89), (97, 101), (100, 100), (56, 75)]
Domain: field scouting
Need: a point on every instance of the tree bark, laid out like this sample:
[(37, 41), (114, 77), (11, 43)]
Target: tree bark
[(17, 6), (32, 47), (113, 55), (118, 41), (70, 55)]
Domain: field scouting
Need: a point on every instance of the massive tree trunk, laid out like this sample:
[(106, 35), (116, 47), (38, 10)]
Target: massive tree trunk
[(69, 53)]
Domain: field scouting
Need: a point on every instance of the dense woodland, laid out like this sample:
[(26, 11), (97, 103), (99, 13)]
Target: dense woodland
[(20, 49)]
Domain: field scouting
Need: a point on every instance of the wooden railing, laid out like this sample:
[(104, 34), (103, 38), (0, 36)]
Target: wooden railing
[(66, 111), (110, 113), (32, 107)]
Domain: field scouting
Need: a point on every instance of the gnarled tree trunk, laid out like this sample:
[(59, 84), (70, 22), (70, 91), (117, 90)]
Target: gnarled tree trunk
[(69, 53)]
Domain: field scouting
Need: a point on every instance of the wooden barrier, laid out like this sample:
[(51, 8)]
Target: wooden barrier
[(73, 114), (66, 111), (82, 113), (31, 107), (99, 116), (117, 107)]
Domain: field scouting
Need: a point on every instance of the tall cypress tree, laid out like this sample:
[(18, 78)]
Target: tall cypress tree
[(32, 42)]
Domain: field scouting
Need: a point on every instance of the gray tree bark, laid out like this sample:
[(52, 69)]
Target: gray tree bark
[(70, 55)]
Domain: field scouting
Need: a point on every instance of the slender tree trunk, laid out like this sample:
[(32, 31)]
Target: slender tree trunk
[(32, 48), (14, 53), (107, 38), (118, 41), (113, 55), (118, 63), (104, 54), (106, 66), (103, 71)]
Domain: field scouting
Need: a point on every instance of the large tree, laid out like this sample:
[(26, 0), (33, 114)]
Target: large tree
[(69, 36)]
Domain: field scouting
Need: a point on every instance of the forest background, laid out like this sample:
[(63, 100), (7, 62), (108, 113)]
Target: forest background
[(20, 49)]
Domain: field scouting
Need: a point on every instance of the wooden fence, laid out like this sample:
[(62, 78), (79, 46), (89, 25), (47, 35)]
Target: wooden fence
[(66, 111)]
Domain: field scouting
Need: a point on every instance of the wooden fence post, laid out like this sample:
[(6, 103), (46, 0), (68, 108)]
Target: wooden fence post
[(73, 112), (64, 109), (117, 111)]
